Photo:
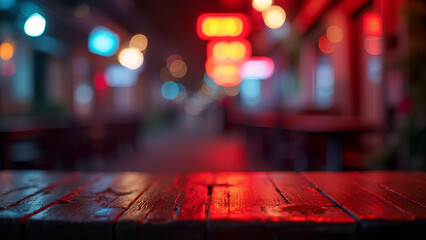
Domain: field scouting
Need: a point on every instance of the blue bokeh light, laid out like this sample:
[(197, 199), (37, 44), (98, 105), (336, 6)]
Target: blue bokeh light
[(103, 41), (170, 90)]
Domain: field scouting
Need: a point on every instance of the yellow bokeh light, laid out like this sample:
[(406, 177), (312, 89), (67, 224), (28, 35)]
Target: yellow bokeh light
[(261, 5), (6, 51), (139, 41), (131, 58), (220, 27), (234, 50), (274, 17), (334, 34)]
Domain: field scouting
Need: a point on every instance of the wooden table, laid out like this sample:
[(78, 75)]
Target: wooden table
[(255, 205)]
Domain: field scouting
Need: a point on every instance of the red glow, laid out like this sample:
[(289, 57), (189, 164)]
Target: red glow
[(229, 51), (325, 45), (222, 25), (9, 68), (372, 24), (100, 81), (373, 45)]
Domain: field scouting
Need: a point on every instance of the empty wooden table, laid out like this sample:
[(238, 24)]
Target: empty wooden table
[(252, 205)]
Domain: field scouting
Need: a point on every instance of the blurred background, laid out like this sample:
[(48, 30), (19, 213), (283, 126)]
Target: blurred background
[(213, 85)]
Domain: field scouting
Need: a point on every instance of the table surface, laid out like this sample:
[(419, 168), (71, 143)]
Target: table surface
[(250, 205)]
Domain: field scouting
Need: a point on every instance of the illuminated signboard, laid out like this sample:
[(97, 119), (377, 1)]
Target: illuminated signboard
[(222, 25)]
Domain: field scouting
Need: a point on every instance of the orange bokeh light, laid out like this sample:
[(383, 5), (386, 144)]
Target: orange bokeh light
[(223, 74), (6, 51), (214, 25), (229, 51), (334, 34), (325, 45), (372, 24)]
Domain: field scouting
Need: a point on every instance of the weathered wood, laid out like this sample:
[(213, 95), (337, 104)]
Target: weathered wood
[(17, 185), (90, 214), (13, 217), (173, 208), (379, 218), (250, 206)]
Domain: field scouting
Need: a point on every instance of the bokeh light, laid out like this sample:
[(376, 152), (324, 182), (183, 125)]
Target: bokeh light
[(119, 76), (178, 68), (170, 90), (229, 51), (103, 41), (100, 81), (325, 45), (211, 25), (226, 75), (334, 34), (6, 51), (131, 58), (373, 45), (257, 68), (35, 25), (182, 95), (5, 4), (9, 68), (139, 41), (372, 24), (274, 17), (82, 10), (165, 74), (261, 5), (83, 93), (173, 58)]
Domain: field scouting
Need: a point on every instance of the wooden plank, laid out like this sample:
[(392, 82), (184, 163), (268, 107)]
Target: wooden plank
[(249, 206), (17, 185), (410, 185), (173, 208), (397, 199), (378, 217), (91, 214), (13, 218)]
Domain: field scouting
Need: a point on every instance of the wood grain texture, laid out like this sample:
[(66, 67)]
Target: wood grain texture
[(13, 217), (381, 215), (90, 214), (17, 185), (252, 206), (174, 207)]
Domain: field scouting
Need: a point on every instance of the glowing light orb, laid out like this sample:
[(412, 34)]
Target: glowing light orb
[(131, 58), (213, 25), (178, 68), (274, 17), (261, 5), (372, 24), (325, 45), (229, 51), (35, 25), (118, 76), (103, 41), (170, 90), (139, 41), (257, 68), (6, 51), (83, 93), (334, 34)]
